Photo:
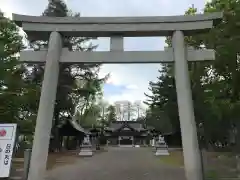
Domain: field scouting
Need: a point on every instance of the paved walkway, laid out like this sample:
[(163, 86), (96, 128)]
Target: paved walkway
[(118, 164)]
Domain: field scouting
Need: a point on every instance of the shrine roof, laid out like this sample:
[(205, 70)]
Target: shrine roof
[(71, 126), (135, 125)]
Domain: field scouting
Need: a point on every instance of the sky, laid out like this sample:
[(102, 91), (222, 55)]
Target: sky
[(126, 82)]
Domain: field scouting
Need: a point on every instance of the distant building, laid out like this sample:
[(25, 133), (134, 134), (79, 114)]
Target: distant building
[(127, 133)]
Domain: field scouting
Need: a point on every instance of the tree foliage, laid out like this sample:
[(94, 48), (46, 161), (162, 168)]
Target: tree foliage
[(79, 82), (162, 113), (79, 86), (215, 87), (13, 87), (111, 115)]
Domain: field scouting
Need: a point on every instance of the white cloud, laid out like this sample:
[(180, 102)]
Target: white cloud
[(134, 77), (132, 86), (6, 9)]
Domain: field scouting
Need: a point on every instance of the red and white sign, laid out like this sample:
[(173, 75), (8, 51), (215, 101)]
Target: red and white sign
[(3, 132), (7, 140)]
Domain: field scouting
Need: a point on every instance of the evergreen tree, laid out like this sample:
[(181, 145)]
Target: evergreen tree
[(111, 114), (215, 90), (56, 8), (78, 82), (163, 112)]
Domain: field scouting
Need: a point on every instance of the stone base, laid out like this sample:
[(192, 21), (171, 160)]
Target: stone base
[(98, 147), (162, 152), (85, 152)]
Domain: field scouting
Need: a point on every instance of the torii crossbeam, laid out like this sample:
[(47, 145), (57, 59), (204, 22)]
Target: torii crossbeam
[(116, 56), (54, 28)]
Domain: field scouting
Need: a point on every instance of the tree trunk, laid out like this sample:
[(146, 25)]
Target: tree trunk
[(67, 143), (237, 148), (61, 142), (57, 142)]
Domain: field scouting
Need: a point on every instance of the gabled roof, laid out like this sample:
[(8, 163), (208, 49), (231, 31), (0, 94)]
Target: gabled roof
[(125, 126), (71, 126), (78, 127), (134, 125)]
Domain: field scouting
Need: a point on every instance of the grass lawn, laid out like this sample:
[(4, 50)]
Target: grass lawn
[(216, 164), (175, 159), (54, 160)]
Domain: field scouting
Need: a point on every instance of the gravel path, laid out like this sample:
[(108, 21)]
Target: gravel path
[(118, 163)]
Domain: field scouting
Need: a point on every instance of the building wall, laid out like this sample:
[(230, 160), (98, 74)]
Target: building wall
[(137, 140)]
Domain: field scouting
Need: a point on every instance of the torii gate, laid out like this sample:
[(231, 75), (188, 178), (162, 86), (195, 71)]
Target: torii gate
[(53, 28)]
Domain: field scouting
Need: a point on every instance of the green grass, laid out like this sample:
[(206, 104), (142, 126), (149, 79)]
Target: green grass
[(174, 159), (214, 169), (211, 175)]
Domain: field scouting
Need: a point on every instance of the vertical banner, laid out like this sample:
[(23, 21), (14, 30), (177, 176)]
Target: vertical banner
[(7, 140)]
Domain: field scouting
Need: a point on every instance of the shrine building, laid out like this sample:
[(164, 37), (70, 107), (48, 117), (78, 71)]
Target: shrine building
[(127, 133)]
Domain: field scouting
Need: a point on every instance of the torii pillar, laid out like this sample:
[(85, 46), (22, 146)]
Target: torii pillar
[(46, 108), (191, 152)]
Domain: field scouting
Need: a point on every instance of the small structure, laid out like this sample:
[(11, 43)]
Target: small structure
[(153, 135), (86, 147), (95, 135), (126, 133), (152, 142), (71, 134), (161, 147)]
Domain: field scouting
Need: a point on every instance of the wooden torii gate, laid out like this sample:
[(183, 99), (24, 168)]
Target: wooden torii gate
[(54, 28)]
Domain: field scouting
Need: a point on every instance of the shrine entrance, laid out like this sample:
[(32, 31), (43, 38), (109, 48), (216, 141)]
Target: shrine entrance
[(126, 140), (126, 133), (52, 29)]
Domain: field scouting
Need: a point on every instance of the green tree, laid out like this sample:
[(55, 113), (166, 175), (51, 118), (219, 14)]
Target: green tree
[(77, 83), (12, 85), (224, 39), (223, 87), (216, 90), (111, 114), (205, 92), (162, 113), (90, 116)]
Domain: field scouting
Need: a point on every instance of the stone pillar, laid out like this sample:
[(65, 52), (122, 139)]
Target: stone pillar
[(191, 152), (46, 108)]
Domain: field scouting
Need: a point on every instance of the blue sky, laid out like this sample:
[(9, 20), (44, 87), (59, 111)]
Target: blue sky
[(127, 82), (114, 89)]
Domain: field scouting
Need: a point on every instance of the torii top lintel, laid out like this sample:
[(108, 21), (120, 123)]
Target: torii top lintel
[(39, 27)]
